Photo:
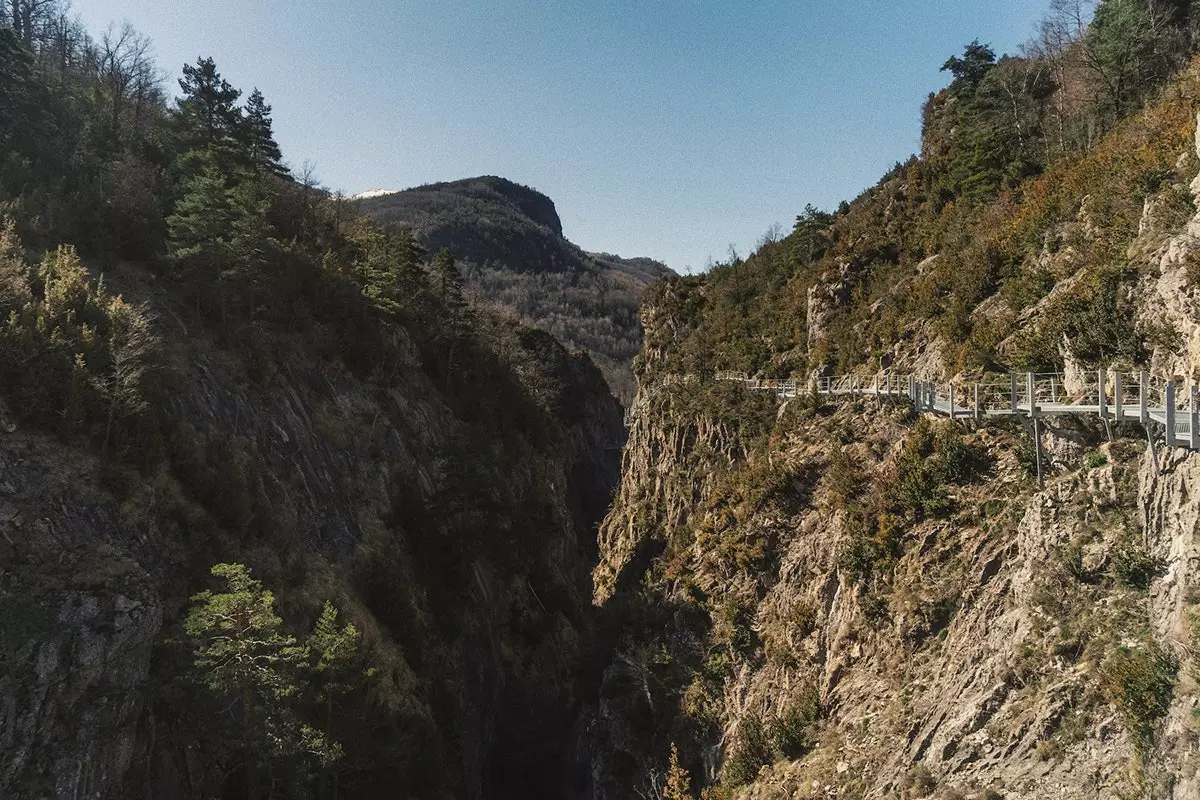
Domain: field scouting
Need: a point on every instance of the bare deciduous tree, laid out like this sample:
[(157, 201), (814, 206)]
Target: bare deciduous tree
[(126, 70), (131, 344)]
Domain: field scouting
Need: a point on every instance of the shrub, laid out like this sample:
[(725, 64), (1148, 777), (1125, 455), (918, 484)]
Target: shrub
[(1134, 567), (1095, 460), (1140, 682), (843, 478), (920, 782), (793, 731), (751, 752)]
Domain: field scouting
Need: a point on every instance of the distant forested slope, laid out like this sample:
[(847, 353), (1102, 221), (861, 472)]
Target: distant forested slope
[(508, 240)]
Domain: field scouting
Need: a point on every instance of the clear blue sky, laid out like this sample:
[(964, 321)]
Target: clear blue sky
[(661, 128)]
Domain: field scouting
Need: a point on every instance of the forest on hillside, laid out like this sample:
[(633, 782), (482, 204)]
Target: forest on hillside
[(242, 444), (1088, 108), (831, 598), (509, 243)]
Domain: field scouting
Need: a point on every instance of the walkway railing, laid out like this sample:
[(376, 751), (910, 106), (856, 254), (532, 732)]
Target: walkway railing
[(1107, 394)]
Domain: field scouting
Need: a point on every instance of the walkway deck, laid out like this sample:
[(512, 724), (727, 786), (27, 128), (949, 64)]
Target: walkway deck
[(1106, 394)]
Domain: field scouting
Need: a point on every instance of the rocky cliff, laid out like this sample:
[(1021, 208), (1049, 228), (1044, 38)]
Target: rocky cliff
[(840, 599), (450, 515)]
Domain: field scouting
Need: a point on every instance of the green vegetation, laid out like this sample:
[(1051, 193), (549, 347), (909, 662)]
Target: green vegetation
[(751, 751), (991, 210), (507, 242), (934, 456), (1134, 567), (1140, 681), (242, 654), (72, 356), (238, 367), (792, 731)]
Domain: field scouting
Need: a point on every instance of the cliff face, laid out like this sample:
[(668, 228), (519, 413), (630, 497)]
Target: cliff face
[(842, 600), (452, 521), (987, 656)]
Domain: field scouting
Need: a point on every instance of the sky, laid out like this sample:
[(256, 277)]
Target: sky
[(663, 128)]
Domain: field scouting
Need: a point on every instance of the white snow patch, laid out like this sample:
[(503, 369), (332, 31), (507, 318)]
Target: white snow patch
[(372, 193)]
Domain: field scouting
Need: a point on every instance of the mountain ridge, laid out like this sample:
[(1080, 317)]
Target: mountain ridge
[(508, 238)]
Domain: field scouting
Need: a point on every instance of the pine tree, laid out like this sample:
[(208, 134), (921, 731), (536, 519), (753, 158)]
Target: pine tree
[(449, 281), (208, 115), (252, 241), (198, 230), (259, 140), (389, 267), (241, 652), (336, 666)]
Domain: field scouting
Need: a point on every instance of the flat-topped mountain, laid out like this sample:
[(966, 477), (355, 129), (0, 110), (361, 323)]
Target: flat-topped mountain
[(509, 240)]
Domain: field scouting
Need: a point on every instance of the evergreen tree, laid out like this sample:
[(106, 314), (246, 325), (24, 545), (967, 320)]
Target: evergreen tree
[(336, 666), (977, 60), (408, 256), (198, 230), (449, 281), (18, 91), (390, 266), (252, 242), (261, 148), (208, 115), (241, 652), (333, 655)]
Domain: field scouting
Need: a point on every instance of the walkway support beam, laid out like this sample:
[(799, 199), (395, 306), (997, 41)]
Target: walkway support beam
[(1037, 451), (1143, 397), (1118, 400), (1193, 419), (1169, 402)]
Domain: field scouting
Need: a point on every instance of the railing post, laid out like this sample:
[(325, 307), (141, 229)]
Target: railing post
[(1169, 402), (1032, 396), (1012, 391), (1193, 419), (1118, 400), (912, 390), (1100, 396), (1143, 397), (978, 409), (1037, 452), (952, 402)]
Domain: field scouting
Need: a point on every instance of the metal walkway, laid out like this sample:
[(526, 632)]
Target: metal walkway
[(1107, 394)]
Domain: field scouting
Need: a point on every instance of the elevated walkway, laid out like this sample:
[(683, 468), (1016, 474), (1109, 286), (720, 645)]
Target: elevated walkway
[(1109, 395)]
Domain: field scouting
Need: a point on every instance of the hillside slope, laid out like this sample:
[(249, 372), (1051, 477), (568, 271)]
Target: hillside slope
[(842, 599), (509, 238), (282, 513)]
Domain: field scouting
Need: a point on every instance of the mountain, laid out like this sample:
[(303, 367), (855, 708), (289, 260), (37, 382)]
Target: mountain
[(823, 595), (509, 240), (285, 513), (281, 513)]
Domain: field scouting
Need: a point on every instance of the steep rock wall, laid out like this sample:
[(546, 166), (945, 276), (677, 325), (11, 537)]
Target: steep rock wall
[(456, 531)]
